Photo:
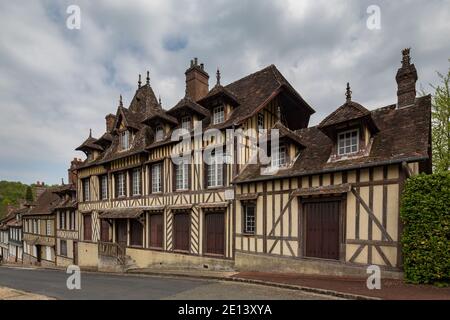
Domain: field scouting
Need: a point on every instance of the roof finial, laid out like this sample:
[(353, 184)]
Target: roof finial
[(148, 77), (139, 82), (120, 101), (348, 93), (406, 59), (218, 77), (62, 181), (160, 103), (90, 133)]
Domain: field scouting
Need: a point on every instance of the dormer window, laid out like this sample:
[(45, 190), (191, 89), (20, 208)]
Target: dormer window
[(124, 140), (279, 157), (159, 133), (218, 115), (260, 121), (348, 142), (90, 156), (186, 123)]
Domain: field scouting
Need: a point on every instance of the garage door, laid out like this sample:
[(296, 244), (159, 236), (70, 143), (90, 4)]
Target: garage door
[(215, 233), (322, 229)]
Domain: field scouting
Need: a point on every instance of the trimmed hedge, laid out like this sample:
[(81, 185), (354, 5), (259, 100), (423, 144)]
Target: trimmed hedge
[(425, 212)]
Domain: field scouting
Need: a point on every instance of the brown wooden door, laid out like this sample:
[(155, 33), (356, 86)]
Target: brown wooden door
[(104, 231), (181, 227), (215, 233), (87, 227), (75, 252), (156, 230), (322, 229), (121, 232)]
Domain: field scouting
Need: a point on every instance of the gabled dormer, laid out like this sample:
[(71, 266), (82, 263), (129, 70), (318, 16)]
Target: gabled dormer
[(188, 113), (161, 123), (282, 154), (220, 102), (351, 128), (90, 148)]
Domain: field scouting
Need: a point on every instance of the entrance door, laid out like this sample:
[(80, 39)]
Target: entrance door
[(156, 230), (322, 229), (215, 233), (181, 226), (38, 253), (121, 232)]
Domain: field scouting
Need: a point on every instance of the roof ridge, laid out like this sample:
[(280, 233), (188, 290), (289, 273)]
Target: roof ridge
[(251, 74)]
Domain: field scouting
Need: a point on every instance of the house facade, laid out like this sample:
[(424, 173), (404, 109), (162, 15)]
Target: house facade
[(11, 235), (327, 193), (39, 230)]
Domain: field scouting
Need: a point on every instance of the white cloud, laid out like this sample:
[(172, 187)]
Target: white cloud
[(57, 83)]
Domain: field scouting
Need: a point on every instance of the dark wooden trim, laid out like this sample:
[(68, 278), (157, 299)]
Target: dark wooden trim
[(357, 252), (385, 193), (371, 215), (372, 242), (357, 212), (383, 256)]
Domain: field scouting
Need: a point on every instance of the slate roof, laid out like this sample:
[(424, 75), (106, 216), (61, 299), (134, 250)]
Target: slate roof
[(403, 135), (89, 144), (188, 103), (348, 111)]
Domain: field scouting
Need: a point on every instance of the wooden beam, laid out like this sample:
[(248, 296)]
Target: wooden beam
[(372, 215), (272, 232)]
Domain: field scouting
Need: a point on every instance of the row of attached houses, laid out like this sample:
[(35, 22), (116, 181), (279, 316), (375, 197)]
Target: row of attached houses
[(319, 199)]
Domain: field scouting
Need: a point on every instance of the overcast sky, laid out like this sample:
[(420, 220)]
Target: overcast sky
[(56, 83)]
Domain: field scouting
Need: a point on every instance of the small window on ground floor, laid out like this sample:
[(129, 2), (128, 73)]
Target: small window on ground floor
[(63, 248)]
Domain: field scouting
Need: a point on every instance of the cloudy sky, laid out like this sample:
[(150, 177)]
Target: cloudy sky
[(56, 83)]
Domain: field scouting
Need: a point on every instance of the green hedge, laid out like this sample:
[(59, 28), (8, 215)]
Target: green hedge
[(425, 212)]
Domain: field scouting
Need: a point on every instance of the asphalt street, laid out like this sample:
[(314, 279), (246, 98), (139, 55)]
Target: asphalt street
[(94, 285)]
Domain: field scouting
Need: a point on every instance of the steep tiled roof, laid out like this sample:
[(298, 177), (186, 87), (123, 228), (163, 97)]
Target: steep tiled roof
[(403, 135), (188, 103), (89, 144), (348, 111), (46, 203)]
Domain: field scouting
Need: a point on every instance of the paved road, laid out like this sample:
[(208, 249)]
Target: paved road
[(52, 283)]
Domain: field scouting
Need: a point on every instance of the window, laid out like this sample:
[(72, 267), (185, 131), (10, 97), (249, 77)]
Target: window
[(136, 233), (260, 121), (182, 176), (279, 157), (186, 123), (72, 220), (62, 220), (156, 178), (124, 138), (120, 184), (90, 156), (159, 133), (63, 248), (86, 190), (104, 187), (215, 171), (49, 227), (218, 115), (87, 227), (249, 218), (136, 181), (348, 142)]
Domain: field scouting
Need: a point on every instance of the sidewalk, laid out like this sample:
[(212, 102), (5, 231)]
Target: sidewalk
[(13, 294), (390, 288), (349, 288)]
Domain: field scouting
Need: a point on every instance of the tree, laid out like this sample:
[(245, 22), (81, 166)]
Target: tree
[(440, 121), (29, 194)]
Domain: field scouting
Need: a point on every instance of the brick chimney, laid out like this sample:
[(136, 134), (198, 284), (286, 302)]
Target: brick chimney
[(72, 173), (39, 189), (406, 81), (110, 119), (196, 80)]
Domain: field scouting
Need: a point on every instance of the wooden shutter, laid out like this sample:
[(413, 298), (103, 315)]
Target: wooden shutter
[(104, 231), (136, 230)]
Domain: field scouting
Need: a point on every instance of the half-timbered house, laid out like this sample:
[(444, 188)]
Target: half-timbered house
[(327, 193), (39, 241)]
